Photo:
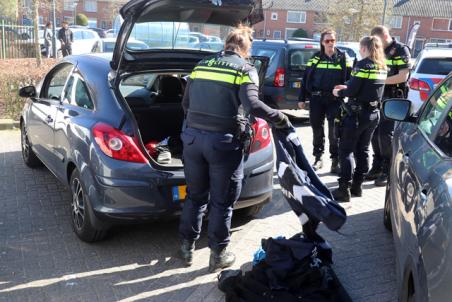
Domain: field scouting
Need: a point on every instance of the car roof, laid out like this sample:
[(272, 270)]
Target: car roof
[(436, 53)]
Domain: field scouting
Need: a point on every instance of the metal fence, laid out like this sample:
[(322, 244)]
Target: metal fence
[(17, 41)]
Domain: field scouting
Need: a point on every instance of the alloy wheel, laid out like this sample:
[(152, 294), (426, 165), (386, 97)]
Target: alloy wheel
[(25, 143), (78, 204)]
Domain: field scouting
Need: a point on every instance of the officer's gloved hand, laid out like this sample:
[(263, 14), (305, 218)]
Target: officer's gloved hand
[(284, 123)]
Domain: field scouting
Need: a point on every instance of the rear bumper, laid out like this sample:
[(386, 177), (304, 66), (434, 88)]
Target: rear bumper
[(277, 97), (119, 200)]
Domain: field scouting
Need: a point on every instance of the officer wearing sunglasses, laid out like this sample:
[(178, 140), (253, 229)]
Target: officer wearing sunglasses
[(325, 70)]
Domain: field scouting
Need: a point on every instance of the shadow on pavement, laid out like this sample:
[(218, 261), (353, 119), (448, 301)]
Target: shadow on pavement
[(41, 259)]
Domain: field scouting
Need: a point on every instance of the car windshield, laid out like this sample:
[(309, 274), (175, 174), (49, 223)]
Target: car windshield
[(440, 66), (179, 35)]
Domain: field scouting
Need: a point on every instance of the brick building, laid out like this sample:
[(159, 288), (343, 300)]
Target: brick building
[(435, 17), (284, 17), (100, 13)]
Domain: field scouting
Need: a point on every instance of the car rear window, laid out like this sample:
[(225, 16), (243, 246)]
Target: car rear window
[(300, 57), (440, 66), (257, 50)]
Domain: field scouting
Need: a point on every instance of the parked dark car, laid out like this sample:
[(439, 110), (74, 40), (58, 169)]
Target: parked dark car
[(101, 32), (288, 59), (418, 203), (93, 119)]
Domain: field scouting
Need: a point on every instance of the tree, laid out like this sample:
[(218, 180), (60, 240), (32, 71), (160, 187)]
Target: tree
[(9, 9), (353, 19), (81, 19), (300, 33), (35, 30)]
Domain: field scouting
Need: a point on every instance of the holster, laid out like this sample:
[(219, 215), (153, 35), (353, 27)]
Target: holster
[(245, 133)]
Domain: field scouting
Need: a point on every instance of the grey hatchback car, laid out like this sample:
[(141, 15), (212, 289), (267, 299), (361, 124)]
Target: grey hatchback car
[(94, 120), (418, 205)]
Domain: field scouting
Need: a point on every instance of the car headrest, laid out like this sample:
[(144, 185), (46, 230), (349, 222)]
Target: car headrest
[(170, 87)]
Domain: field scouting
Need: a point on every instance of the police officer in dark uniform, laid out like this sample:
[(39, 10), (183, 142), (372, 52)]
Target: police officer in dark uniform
[(398, 61), (326, 69), (220, 91), (360, 116)]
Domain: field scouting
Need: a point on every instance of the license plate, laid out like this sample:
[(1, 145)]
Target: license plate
[(179, 192), (296, 84)]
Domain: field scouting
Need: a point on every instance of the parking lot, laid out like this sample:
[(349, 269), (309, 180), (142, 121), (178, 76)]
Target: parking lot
[(42, 260)]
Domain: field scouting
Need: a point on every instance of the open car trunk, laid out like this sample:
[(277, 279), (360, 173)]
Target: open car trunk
[(155, 100)]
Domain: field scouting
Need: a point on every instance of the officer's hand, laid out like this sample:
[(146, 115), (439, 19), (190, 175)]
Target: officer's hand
[(301, 105), (340, 87), (284, 123)]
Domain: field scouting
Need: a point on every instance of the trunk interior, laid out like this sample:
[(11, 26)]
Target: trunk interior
[(156, 102)]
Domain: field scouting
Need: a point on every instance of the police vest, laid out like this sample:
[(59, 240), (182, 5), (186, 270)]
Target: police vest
[(214, 101)]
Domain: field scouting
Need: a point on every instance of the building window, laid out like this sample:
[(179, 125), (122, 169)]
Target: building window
[(261, 33), (104, 24), (441, 24), (274, 16), (296, 17), (396, 37), (68, 19), (396, 21), (91, 6), (436, 40), (277, 34), (268, 33), (68, 5), (289, 32)]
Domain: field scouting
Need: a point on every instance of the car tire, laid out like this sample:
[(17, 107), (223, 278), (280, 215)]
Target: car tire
[(28, 155), (82, 216), (387, 209)]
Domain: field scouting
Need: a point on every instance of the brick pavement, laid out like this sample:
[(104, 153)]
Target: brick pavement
[(42, 260)]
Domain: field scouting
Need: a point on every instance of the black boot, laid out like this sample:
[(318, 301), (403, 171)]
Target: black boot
[(356, 189), (342, 194), (381, 180), (318, 163), (374, 173), (186, 251), (220, 260), (335, 166)]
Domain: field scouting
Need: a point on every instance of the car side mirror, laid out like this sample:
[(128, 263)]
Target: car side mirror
[(28, 92), (397, 109)]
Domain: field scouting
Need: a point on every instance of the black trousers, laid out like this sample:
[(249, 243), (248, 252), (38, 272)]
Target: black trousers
[(213, 165), (66, 50), (381, 144), (355, 136), (319, 108)]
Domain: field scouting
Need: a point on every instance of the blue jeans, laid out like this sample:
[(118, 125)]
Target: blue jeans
[(213, 165)]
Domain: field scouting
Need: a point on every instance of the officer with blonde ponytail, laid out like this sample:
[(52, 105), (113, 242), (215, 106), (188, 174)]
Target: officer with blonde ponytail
[(360, 116)]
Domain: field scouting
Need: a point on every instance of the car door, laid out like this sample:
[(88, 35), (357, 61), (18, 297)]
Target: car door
[(77, 104), (261, 63), (416, 162), (77, 45), (41, 119), (89, 41)]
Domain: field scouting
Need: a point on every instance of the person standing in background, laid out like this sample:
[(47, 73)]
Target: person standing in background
[(398, 61), (48, 39), (66, 38), (325, 70)]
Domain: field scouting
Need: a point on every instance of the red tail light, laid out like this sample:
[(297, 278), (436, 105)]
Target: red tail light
[(279, 77), (117, 144), (421, 86), (262, 136)]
